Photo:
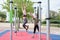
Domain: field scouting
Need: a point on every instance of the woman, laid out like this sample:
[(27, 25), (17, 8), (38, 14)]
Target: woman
[(24, 18), (35, 18)]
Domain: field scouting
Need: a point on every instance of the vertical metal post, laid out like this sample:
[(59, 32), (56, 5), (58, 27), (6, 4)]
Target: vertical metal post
[(35, 11), (11, 19), (15, 11), (48, 21), (39, 20)]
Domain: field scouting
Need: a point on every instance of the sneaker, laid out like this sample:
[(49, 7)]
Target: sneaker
[(32, 36), (15, 31), (27, 28)]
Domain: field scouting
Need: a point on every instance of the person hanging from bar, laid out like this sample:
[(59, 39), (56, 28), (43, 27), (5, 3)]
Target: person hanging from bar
[(24, 18), (35, 18)]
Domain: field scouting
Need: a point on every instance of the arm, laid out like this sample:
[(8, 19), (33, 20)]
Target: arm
[(24, 10), (32, 16)]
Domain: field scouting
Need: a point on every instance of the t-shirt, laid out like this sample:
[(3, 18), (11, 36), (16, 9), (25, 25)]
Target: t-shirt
[(24, 12), (35, 19)]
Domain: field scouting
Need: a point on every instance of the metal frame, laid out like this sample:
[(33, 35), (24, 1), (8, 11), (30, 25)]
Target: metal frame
[(11, 19), (15, 11), (39, 20), (47, 20)]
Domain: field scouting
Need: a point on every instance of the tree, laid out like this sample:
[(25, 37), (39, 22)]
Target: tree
[(58, 16), (2, 16), (20, 4), (53, 15)]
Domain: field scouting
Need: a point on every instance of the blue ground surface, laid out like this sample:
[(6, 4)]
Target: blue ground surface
[(53, 36)]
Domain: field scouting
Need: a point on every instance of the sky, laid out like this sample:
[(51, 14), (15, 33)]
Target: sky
[(54, 5), (2, 2)]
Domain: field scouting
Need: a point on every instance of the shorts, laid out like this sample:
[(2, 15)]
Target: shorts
[(24, 24)]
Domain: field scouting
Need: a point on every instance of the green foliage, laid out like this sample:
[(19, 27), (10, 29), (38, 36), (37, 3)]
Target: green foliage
[(55, 21), (19, 4), (44, 22), (2, 15), (53, 15), (52, 21)]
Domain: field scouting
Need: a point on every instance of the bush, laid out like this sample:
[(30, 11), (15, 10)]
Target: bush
[(44, 22), (52, 21), (55, 21)]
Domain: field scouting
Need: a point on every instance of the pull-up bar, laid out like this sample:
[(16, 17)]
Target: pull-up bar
[(47, 20)]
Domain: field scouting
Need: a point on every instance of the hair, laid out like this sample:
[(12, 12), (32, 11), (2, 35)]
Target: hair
[(24, 15)]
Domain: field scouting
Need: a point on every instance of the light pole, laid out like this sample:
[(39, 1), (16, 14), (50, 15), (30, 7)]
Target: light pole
[(11, 19)]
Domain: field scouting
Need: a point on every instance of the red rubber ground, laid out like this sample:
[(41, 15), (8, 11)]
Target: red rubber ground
[(22, 36)]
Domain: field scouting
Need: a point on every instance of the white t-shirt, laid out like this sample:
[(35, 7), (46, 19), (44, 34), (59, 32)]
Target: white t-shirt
[(24, 12)]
